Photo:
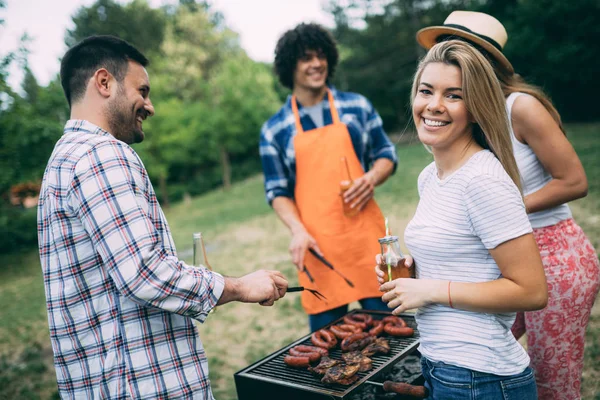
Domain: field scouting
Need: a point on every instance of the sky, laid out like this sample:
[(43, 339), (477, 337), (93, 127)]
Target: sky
[(258, 22)]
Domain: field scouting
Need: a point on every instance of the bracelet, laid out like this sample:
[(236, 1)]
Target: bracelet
[(449, 298)]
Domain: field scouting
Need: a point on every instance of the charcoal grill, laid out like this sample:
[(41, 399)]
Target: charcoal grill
[(271, 378)]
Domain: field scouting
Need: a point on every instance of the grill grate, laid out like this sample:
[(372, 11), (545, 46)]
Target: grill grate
[(272, 375)]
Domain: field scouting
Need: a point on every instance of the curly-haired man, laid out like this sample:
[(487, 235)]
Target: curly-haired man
[(307, 148)]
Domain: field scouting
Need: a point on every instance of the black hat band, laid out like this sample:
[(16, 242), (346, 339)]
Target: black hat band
[(486, 38)]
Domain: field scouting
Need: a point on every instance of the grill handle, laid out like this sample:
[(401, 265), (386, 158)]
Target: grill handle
[(417, 392)]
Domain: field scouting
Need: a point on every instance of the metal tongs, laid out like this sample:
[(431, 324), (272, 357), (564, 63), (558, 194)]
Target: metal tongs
[(310, 277), (315, 293), (329, 265)]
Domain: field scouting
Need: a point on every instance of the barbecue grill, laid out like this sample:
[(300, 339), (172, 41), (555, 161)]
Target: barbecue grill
[(271, 378)]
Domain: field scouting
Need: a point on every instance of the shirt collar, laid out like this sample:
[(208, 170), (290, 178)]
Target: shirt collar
[(288, 102), (81, 125)]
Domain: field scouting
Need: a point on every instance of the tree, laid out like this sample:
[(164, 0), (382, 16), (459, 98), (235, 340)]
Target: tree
[(2, 5), (30, 86), (29, 128), (553, 45), (211, 100), (242, 100), (550, 44), (134, 22), (378, 50)]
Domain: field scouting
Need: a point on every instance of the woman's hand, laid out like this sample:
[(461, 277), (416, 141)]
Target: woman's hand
[(381, 267), (406, 293)]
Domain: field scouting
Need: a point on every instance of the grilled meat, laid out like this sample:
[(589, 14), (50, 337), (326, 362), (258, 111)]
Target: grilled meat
[(342, 374), (380, 345), (357, 341), (356, 357), (324, 365)]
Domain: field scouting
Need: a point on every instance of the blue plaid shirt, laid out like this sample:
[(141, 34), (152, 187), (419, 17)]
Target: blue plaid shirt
[(121, 305), (277, 139)]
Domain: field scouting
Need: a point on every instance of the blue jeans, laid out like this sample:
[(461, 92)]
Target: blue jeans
[(449, 382), (317, 321)]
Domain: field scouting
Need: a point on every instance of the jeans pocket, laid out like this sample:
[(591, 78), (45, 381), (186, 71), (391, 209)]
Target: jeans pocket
[(520, 387), (451, 376)]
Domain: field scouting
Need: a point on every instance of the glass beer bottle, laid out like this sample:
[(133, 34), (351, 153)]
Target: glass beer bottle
[(346, 183), (393, 259), (199, 255)]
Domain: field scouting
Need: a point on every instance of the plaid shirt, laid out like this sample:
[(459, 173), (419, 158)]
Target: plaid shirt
[(120, 303), (277, 139)]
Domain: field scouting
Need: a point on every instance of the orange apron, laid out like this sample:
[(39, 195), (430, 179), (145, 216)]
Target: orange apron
[(349, 243)]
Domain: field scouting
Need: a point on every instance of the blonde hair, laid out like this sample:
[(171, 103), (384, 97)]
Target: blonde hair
[(513, 82), (482, 95)]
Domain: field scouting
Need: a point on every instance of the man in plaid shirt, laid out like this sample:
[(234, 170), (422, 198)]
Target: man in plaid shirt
[(121, 305)]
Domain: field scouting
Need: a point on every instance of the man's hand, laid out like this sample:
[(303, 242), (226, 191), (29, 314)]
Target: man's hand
[(302, 241), (361, 191), (262, 287)]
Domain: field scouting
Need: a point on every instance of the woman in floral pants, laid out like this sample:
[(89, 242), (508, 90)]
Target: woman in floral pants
[(556, 334)]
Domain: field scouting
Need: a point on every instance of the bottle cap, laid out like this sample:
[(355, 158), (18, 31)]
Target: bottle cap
[(388, 239)]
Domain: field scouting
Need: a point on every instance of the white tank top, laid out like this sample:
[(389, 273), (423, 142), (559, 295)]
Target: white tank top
[(533, 175)]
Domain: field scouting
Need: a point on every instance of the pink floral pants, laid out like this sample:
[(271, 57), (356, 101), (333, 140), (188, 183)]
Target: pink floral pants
[(556, 334)]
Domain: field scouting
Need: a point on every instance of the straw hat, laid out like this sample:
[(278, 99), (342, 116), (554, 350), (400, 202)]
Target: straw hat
[(478, 28)]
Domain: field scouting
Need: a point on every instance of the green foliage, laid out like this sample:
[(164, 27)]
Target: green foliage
[(18, 227), (210, 97), (23, 379), (378, 50), (135, 22), (550, 44), (29, 127), (553, 45), (210, 100)]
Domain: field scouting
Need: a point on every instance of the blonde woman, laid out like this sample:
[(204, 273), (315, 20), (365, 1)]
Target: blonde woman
[(552, 175), (477, 261)]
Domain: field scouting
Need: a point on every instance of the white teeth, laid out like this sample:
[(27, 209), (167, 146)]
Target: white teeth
[(430, 122)]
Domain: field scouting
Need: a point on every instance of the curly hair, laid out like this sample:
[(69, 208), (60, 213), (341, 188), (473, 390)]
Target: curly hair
[(293, 45)]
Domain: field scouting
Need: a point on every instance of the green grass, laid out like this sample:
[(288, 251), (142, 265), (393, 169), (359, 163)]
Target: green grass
[(243, 234)]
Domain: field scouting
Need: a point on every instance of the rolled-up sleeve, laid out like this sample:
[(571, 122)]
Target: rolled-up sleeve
[(380, 146), (277, 178), (108, 195)]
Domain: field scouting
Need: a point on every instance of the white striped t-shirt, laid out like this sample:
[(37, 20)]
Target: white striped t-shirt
[(457, 220)]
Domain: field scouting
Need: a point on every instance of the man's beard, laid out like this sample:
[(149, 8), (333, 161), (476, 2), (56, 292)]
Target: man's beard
[(123, 120)]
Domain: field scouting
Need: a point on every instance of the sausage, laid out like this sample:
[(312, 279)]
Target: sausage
[(313, 356), (342, 331), (313, 353), (323, 338), (309, 349), (356, 341), (361, 320), (296, 361), (398, 330), (377, 328), (419, 392), (394, 319)]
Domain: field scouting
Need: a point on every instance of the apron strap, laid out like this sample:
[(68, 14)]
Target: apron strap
[(334, 114), (299, 129)]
